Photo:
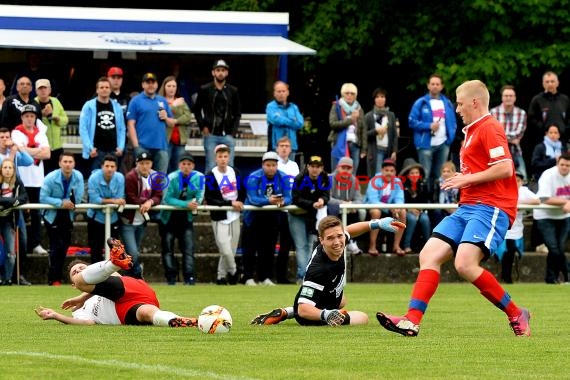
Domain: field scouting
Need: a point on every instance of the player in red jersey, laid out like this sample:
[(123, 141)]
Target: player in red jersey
[(488, 203)]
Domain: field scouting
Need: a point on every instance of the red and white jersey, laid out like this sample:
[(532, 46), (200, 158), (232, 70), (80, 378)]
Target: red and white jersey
[(98, 309), (485, 144)]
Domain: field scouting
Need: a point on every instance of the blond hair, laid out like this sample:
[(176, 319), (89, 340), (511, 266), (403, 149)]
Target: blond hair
[(348, 87), (474, 89)]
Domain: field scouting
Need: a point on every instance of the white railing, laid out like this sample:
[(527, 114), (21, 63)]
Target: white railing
[(107, 209)]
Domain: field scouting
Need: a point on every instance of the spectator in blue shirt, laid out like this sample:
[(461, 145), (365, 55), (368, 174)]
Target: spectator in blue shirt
[(283, 119), (105, 186)]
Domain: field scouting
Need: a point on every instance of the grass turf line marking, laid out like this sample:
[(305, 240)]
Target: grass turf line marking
[(126, 365)]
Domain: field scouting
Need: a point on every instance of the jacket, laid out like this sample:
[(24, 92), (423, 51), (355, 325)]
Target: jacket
[(87, 120), (99, 189), (183, 116), (256, 186), (375, 189), (338, 124), (204, 110), (52, 192), (171, 197), (53, 132), (133, 193), (372, 150), (285, 120), (421, 118), (213, 195), (7, 204), (307, 191)]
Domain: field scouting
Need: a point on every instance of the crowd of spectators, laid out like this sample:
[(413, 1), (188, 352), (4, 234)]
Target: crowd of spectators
[(126, 140)]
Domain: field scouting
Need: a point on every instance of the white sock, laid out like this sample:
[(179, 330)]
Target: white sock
[(290, 312), (161, 318), (99, 272)]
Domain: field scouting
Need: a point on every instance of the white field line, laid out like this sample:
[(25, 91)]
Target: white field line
[(127, 365)]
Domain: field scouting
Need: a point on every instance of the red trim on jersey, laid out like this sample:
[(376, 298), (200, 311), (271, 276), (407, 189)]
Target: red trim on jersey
[(486, 144), (136, 292)]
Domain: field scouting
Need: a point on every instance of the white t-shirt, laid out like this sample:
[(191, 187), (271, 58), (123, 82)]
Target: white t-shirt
[(438, 112), (33, 175), (517, 230), (98, 309), (552, 184), (227, 183)]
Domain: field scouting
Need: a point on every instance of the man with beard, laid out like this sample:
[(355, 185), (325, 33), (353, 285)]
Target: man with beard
[(218, 113)]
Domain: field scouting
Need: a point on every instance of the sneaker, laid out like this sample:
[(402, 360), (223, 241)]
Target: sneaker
[(400, 325), (118, 255), (39, 250), (542, 248), (250, 282), (24, 282), (233, 278), (183, 322), (267, 282), (352, 248), (272, 318), (221, 281), (520, 324)]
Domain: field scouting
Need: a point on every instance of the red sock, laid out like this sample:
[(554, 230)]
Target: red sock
[(494, 292), (424, 288)]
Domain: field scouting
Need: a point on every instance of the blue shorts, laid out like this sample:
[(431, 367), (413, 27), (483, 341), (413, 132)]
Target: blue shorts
[(482, 225)]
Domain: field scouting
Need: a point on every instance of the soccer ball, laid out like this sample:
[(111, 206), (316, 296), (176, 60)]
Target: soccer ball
[(214, 319)]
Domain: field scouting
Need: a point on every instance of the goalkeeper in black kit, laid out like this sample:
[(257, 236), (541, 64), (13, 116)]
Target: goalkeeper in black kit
[(320, 299)]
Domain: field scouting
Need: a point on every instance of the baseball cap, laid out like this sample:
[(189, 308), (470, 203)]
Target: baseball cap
[(149, 76), (115, 71), (143, 156), (346, 161), (388, 162), (316, 160), (42, 83), (223, 147), (270, 156), (220, 63), (28, 108), (186, 156)]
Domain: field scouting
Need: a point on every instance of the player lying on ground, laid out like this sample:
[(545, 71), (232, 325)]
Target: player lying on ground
[(320, 299), (111, 299)]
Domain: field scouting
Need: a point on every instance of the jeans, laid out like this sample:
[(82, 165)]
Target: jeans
[(59, 234), (210, 143), (258, 245), (555, 232), (354, 152), (174, 152), (303, 242), (9, 235), (185, 237), (432, 160), (159, 158), (411, 224), (97, 161), (132, 237)]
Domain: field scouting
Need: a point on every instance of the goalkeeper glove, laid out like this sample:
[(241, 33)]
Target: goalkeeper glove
[(387, 224), (332, 317)]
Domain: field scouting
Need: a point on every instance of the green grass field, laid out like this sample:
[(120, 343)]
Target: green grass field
[(462, 337)]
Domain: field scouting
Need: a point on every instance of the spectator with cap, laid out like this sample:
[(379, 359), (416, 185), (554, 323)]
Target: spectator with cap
[(30, 137), (140, 190), (265, 186), (101, 126), (386, 188), (345, 189), (55, 118), (186, 191), (311, 194), (223, 189), (148, 115), (218, 113), (115, 76)]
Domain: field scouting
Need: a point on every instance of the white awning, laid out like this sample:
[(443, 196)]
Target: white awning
[(137, 30)]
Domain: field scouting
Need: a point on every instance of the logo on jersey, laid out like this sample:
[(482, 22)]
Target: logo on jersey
[(307, 292)]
